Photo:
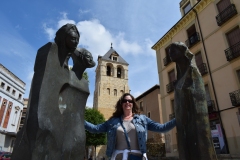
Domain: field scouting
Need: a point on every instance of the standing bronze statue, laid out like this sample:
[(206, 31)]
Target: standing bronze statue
[(193, 130), (54, 125)]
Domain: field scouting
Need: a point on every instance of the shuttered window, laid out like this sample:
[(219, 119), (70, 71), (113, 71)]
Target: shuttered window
[(171, 76), (198, 58), (233, 36), (223, 4)]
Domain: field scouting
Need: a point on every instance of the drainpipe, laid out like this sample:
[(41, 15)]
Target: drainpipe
[(210, 75)]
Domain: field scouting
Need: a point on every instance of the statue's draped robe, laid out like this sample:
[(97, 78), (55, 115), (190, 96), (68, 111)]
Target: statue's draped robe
[(54, 126), (193, 131)]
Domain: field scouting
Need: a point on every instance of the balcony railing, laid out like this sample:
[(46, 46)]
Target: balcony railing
[(191, 41), (203, 69), (170, 86), (233, 52), (166, 60), (235, 98), (171, 116), (226, 14), (211, 106)]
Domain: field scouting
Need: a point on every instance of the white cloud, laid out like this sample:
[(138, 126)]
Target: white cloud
[(65, 21), (97, 39), (83, 11), (49, 31), (148, 45), (30, 75), (127, 47)]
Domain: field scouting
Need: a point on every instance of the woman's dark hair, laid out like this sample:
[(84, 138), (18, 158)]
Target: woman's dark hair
[(118, 107)]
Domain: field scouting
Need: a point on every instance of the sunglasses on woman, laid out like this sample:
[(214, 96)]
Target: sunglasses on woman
[(127, 100)]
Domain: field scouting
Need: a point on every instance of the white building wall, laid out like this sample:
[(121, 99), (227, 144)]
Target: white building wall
[(12, 89)]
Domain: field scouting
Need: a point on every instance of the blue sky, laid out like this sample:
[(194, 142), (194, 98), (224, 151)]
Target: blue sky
[(133, 26)]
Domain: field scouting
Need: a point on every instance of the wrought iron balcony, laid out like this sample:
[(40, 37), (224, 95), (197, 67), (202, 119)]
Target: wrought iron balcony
[(226, 14), (233, 52), (171, 116), (192, 40), (235, 97), (166, 60), (203, 69), (170, 86), (211, 106)]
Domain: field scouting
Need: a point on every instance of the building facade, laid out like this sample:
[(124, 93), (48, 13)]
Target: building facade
[(12, 90), (150, 105), (210, 29), (111, 82), (24, 113)]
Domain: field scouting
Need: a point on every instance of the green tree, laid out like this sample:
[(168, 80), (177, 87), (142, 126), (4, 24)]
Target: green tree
[(95, 117), (85, 75)]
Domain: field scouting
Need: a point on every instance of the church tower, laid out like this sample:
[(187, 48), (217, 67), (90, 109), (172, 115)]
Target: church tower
[(111, 82)]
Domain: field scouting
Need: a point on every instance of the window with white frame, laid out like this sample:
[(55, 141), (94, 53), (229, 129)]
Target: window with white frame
[(2, 85), (114, 58), (8, 88), (13, 92), (19, 96), (14, 119)]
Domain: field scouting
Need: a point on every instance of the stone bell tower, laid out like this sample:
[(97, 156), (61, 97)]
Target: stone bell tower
[(111, 82)]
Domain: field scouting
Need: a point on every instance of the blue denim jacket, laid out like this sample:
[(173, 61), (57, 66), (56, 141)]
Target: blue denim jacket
[(142, 124)]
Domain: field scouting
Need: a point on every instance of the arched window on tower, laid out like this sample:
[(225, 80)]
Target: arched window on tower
[(115, 92), (121, 92), (119, 72), (108, 71)]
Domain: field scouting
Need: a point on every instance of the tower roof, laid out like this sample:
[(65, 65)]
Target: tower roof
[(111, 52)]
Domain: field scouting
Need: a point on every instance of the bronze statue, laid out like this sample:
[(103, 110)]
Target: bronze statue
[(54, 126), (82, 59), (193, 130)]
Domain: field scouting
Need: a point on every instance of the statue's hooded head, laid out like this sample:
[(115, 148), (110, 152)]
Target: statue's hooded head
[(180, 54), (64, 32), (180, 50)]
